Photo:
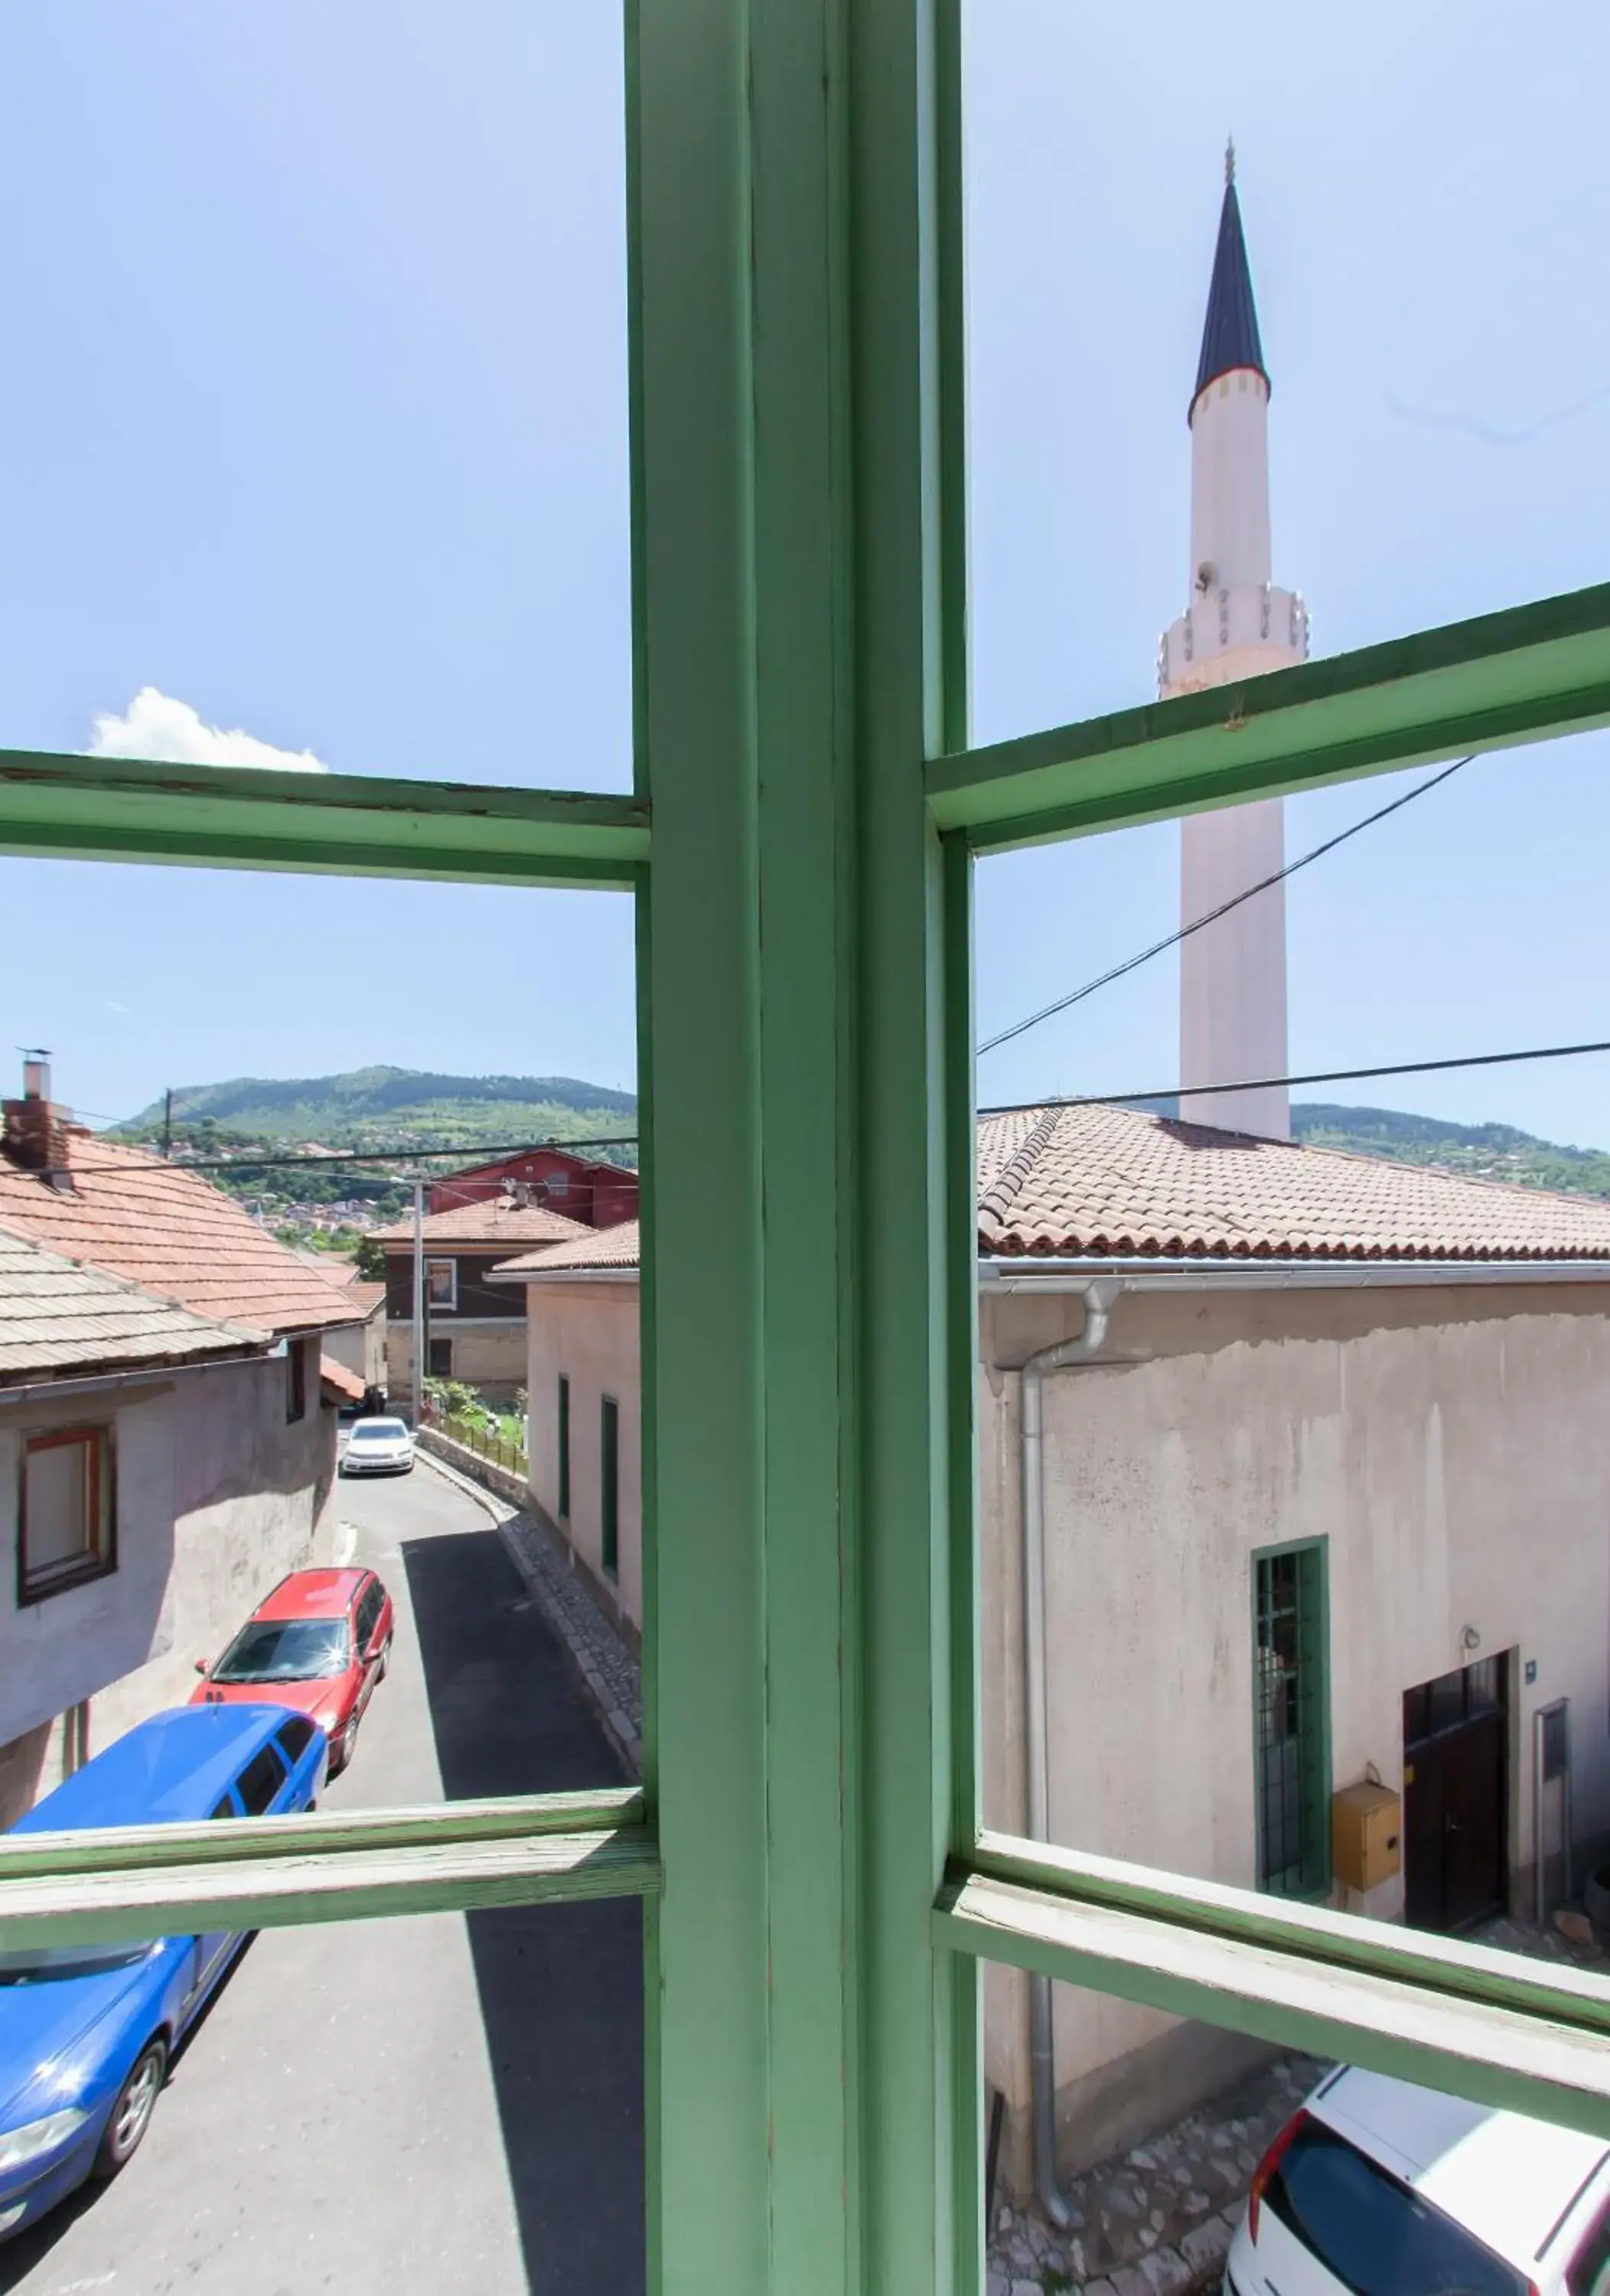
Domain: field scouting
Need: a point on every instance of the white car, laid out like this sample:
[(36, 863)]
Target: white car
[(1376, 2188), (379, 1446)]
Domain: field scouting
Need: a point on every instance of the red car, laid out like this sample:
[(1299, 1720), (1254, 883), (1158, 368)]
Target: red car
[(320, 1643)]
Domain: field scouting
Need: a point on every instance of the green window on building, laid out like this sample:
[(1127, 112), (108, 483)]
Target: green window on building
[(608, 1483), (1291, 1696), (564, 1445)]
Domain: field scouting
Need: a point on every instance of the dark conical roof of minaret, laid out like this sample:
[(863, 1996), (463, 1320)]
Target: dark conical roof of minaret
[(1230, 334)]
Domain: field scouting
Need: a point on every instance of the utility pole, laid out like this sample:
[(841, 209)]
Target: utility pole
[(419, 1302), (167, 1122)]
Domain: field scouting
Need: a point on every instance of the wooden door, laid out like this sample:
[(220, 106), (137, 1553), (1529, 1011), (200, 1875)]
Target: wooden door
[(1455, 1799)]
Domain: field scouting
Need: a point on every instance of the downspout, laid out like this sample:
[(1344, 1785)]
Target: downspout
[(1097, 1297)]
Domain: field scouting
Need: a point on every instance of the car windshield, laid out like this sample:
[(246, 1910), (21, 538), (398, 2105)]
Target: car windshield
[(284, 1650), (1376, 2236), (40, 1964), (379, 1431)]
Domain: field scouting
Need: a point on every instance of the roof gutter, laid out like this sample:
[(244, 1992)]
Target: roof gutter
[(146, 1374), (1150, 1272)]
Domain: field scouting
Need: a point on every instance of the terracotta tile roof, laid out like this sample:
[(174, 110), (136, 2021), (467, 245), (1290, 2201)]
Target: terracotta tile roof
[(364, 1297), (338, 1384), (58, 1317), (608, 1247), (172, 1233), (493, 1222), (1095, 1180)]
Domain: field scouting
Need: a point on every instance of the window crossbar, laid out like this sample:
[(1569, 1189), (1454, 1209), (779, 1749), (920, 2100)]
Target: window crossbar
[(1492, 2026), (1531, 672), (346, 825), (82, 1889)]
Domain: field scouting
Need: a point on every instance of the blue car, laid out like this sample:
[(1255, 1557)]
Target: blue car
[(86, 2031)]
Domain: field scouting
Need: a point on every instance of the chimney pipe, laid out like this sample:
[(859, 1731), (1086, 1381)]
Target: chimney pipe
[(35, 1136)]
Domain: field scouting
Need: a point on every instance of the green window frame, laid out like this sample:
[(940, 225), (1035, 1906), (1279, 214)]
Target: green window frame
[(1291, 1718), (562, 1407), (608, 1486), (819, 1892)]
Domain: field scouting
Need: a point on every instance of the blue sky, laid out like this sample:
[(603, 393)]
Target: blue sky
[(313, 423)]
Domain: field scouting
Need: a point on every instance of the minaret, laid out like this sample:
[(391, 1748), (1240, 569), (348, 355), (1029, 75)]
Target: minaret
[(1233, 974)]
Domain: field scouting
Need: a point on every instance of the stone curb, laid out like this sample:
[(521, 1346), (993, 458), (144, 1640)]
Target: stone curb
[(514, 1527)]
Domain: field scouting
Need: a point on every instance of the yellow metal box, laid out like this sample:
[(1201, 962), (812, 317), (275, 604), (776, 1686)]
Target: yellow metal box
[(1366, 1827)]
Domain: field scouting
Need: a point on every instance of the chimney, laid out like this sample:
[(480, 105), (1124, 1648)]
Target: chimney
[(34, 1138)]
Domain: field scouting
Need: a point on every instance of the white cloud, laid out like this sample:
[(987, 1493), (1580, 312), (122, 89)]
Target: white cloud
[(155, 726)]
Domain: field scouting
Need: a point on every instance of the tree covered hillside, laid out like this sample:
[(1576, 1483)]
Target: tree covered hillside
[(1478, 1152)]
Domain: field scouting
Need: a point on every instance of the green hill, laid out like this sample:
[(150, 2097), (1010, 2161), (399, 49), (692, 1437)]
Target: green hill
[(390, 1107), (1476, 1152), (402, 1109)]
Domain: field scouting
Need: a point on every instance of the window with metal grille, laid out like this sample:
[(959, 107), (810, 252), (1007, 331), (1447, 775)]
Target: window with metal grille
[(1292, 1720)]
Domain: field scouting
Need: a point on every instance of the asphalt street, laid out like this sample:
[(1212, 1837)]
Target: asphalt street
[(442, 2101)]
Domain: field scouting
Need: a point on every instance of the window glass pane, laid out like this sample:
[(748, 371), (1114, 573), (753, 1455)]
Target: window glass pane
[(58, 1505), (400, 238), (260, 1780), (386, 1611), (1289, 1387), (1435, 426), (273, 1192)]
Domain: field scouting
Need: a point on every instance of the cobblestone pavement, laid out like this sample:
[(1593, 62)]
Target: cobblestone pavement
[(1156, 2221), (561, 1594)]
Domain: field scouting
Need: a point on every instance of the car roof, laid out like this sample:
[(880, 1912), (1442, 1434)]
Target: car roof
[(379, 1419), (312, 1595), (172, 1767), (1505, 2178)]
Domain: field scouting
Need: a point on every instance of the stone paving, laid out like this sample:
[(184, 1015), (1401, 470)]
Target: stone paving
[(1156, 2221)]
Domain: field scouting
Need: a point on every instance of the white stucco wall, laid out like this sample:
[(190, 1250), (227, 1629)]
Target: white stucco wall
[(1454, 1450), (589, 1332), (361, 1348), (217, 1495)]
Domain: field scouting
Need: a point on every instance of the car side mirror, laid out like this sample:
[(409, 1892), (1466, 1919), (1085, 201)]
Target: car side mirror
[(201, 1666)]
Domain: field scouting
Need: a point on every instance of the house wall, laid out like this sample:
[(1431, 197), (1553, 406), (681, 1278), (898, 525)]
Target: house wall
[(589, 1332), (218, 1496), (488, 1327), (490, 1356), (361, 1348), (1451, 1447)]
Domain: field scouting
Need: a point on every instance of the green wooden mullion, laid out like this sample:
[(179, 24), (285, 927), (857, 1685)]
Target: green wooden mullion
[(347, 824), (323, 1884), (1470, 2046), (805, 734), (1529, 674), (911, 2006), (690, 329), (959, 1971), (457, 1825)]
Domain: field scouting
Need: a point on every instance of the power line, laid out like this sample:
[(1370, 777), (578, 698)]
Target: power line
[(1078, 995), (480, 1155), (1320, 1076)]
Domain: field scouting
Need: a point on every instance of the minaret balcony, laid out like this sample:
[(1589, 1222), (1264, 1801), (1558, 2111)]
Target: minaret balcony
[(1230, 634)]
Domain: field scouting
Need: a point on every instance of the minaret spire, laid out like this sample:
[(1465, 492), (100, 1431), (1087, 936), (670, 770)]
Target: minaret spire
[(1233, 974)]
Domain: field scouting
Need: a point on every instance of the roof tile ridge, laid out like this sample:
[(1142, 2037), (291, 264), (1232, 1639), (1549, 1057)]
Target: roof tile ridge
[(998, 1196)]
